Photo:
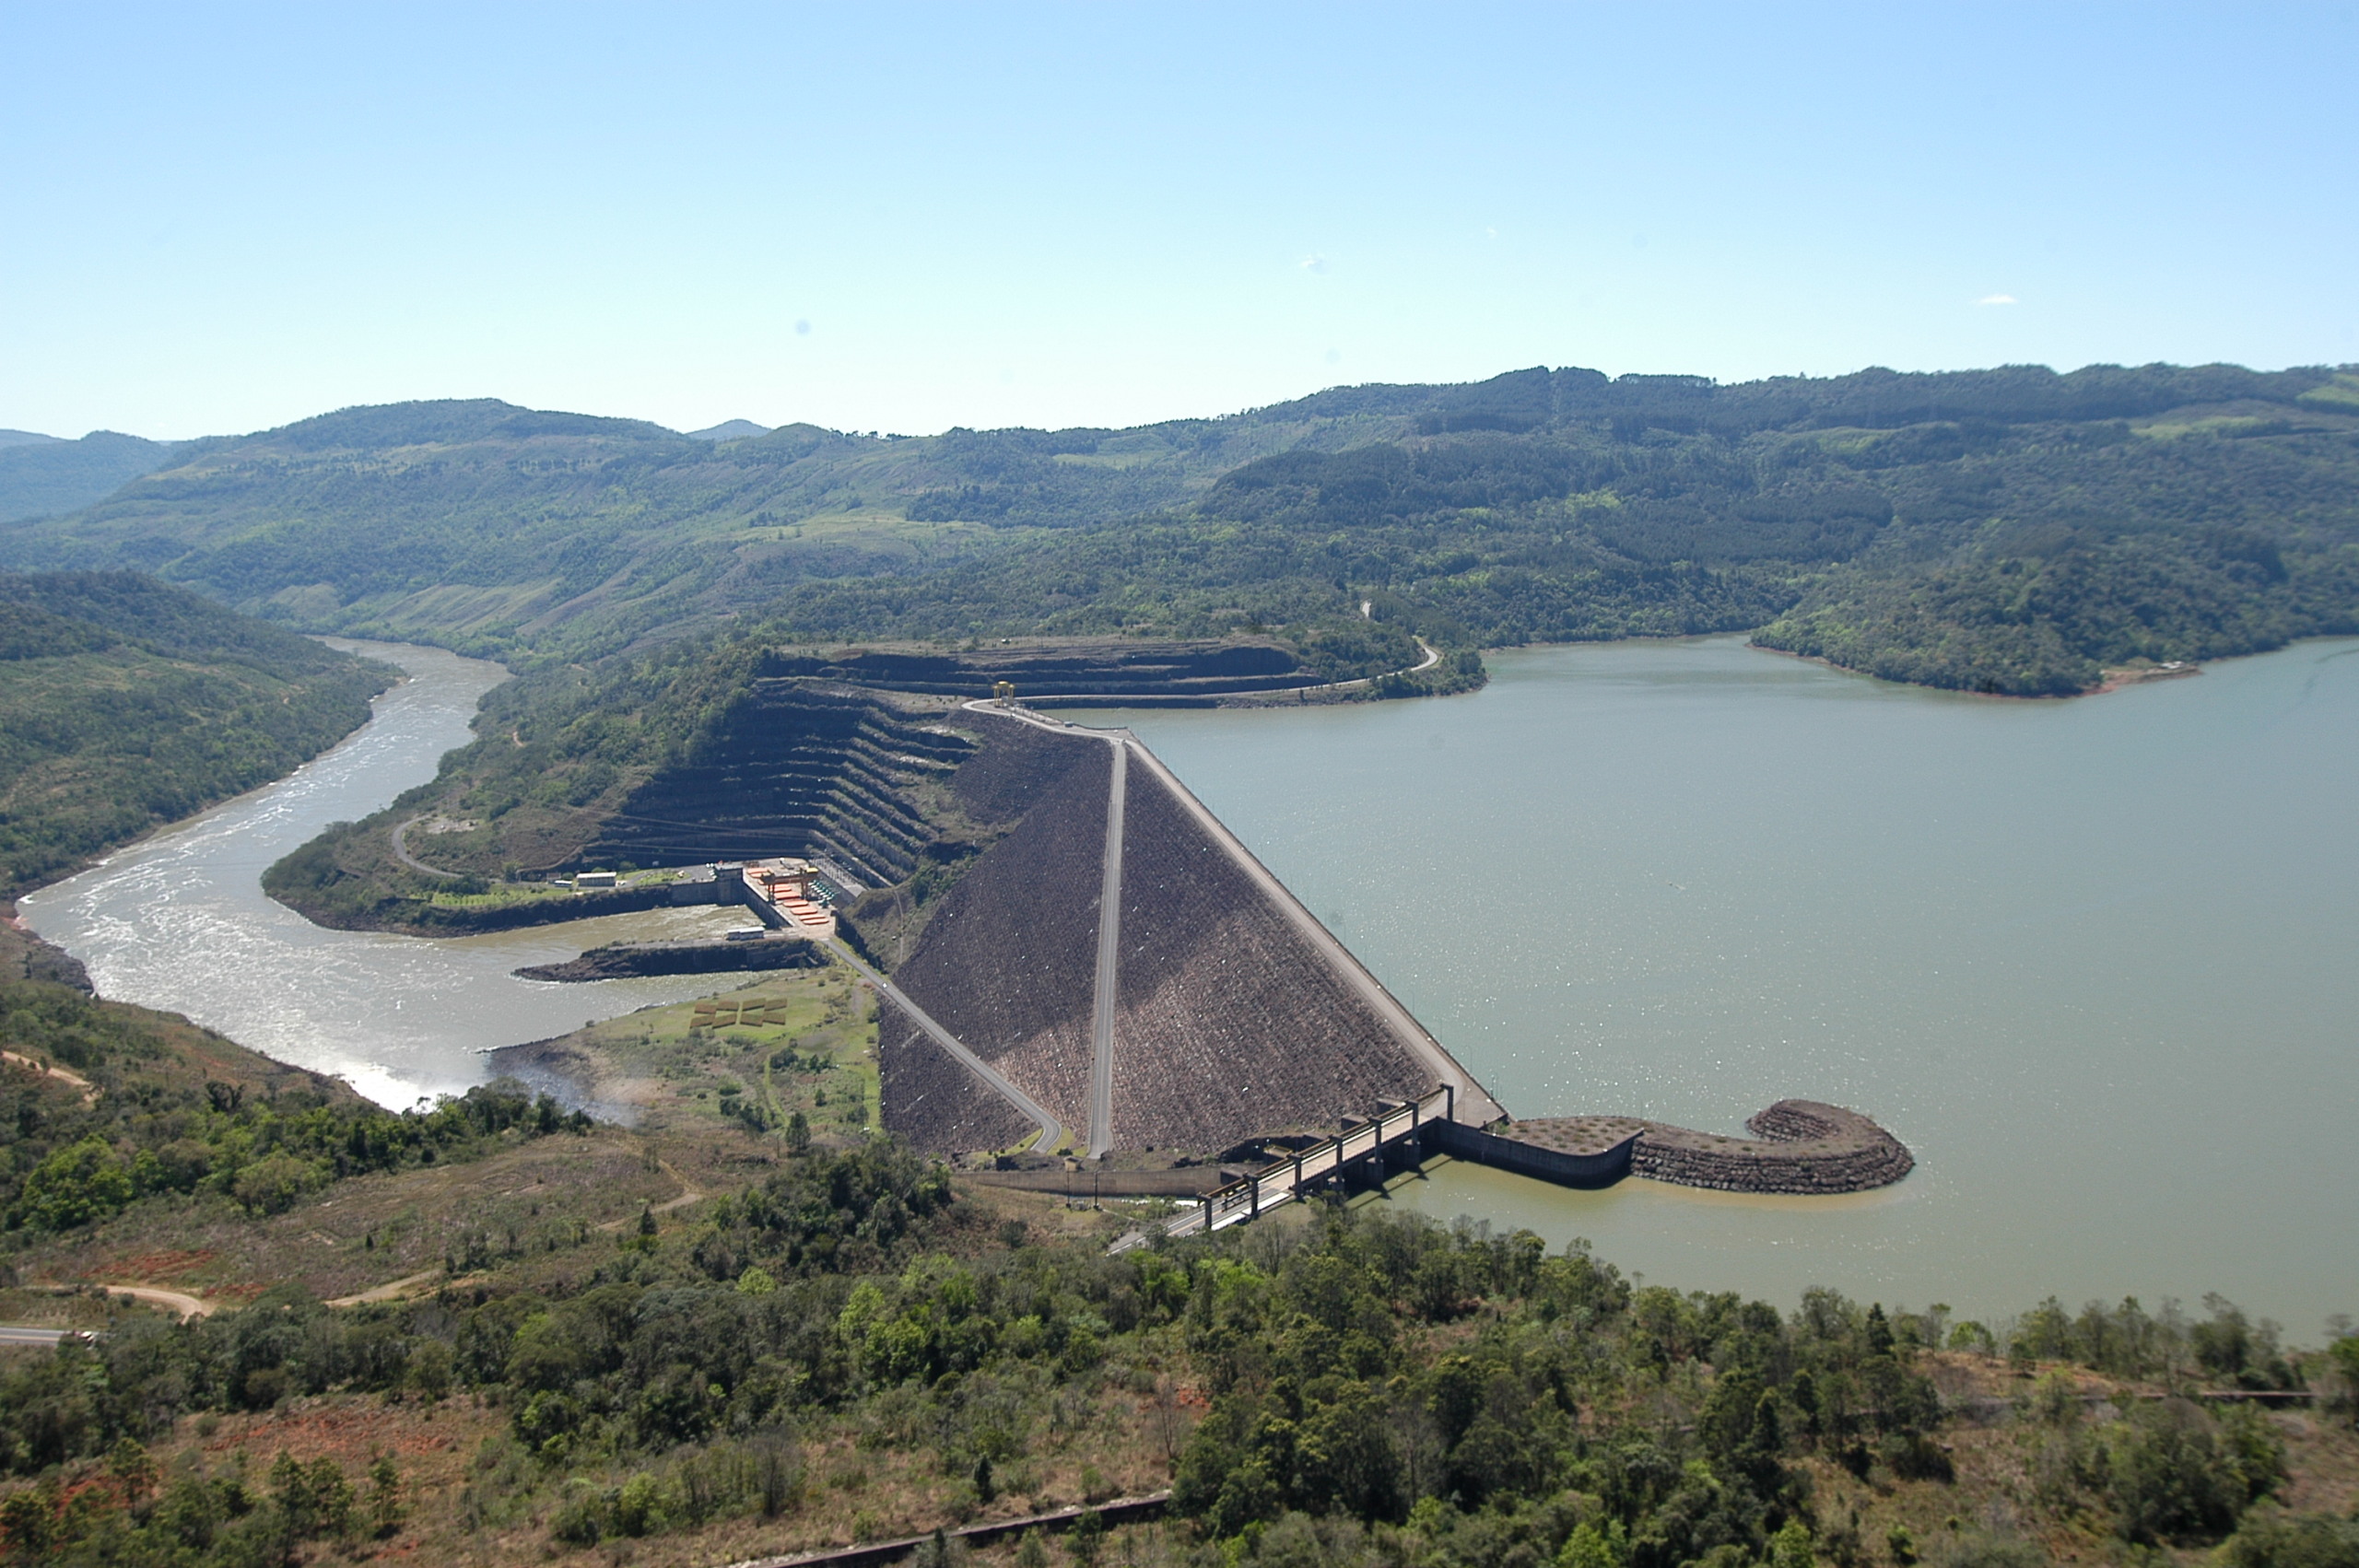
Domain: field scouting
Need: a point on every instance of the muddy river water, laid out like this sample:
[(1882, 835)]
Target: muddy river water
[(179, 921), (2093, 961)]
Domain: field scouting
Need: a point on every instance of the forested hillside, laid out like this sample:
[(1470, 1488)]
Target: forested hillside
[(848, 1345), (125, 702), (40, 477), (2010, 530)]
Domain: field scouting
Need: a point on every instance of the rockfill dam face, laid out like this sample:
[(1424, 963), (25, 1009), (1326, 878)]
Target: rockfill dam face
[(1233, 1014)]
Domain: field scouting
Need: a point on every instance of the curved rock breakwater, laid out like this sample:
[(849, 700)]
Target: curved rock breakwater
[(1798, 1146)]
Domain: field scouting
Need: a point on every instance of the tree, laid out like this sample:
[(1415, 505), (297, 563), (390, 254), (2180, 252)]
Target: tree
[(1089, 1534), (385, 1506), (77, 1185)]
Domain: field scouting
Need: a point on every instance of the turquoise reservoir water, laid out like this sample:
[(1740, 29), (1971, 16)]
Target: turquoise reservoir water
[(2091, 960)]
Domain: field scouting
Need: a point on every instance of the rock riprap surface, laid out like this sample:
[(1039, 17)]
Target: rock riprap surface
[(1798, 1146)]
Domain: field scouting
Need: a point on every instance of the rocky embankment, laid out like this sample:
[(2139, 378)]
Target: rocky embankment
[(634, 960), (1801, 1146), (24, 957)]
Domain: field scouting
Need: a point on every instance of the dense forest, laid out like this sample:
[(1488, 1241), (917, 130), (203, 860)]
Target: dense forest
[(125, 702), (40, 476), (2010, 530)]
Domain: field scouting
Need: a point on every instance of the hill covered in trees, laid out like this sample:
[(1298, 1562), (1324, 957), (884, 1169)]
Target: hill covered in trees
[(2010, 531), (126, 702), (41, 475)]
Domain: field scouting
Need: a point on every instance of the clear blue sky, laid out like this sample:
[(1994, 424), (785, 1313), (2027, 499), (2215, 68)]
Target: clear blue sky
[(904, 220)]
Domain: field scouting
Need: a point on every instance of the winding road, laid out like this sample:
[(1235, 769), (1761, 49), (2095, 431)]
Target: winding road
[(154, 1295), (401, 852)]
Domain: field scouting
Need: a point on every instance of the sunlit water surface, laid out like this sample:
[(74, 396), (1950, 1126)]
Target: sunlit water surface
[(2091, 960), (179, 921)]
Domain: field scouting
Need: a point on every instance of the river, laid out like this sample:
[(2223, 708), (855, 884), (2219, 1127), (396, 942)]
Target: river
[(2091, 960), (178, 922)]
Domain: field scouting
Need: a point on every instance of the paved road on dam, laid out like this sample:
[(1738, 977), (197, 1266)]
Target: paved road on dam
[(1110, 949)]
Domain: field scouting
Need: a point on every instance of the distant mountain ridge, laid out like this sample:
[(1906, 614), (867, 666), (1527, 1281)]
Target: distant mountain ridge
[(41, 475), (1869, 518), (730, 430)]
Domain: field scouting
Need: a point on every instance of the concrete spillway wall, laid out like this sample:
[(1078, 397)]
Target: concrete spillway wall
[(1602, 1169)]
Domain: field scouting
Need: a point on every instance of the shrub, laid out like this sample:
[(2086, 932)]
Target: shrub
[(272, 1183), (2271, 1538), (79, 1184), (2170, 1475)]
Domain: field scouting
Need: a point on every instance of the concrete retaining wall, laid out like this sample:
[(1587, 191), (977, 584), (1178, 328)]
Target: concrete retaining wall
[(1528, 1159)]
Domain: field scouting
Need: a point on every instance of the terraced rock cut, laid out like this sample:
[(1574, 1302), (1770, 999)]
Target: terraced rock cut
[(795, 770), (1166, 675)]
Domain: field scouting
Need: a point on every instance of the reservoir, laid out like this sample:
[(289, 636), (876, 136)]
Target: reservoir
[(2091, 960), (179, 921)]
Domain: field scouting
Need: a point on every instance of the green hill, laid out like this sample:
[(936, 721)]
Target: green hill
[(125, 702), (39, 477), (496, 528), (2010, 530)]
